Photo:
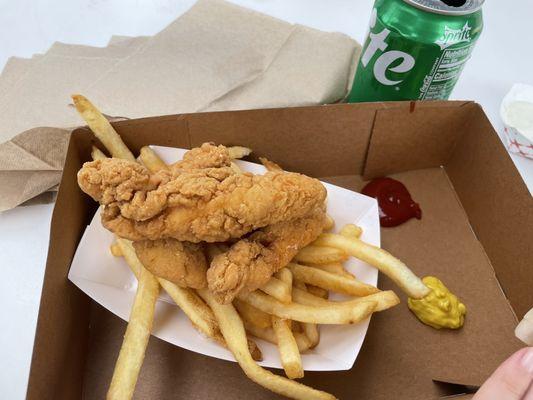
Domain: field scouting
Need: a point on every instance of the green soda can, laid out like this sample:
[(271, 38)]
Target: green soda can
[(416, 49)]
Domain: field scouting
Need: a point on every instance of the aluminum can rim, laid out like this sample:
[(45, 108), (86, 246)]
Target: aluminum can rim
[(470, 7)]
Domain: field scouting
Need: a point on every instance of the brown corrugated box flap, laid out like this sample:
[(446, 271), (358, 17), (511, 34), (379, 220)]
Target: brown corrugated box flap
[(61, 336), (499, 206), (400, 357), (423, 137)]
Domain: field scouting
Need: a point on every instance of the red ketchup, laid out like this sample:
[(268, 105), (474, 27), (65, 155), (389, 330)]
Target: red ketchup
[(394, 200)]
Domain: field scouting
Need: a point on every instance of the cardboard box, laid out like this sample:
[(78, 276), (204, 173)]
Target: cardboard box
[(475, 234)]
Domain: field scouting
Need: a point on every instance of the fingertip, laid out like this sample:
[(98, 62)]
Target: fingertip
[(526, 359), (512, 378)]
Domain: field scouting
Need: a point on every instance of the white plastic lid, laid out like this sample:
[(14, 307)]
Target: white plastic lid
[(516, 110)]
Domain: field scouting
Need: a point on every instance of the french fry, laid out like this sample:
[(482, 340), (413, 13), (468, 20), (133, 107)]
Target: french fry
[(302, 296), (237, 152), (329, 281), (333, 268), (270, 165), (187, 300), (252, 315), (351, 230), (133, 347), (233, 331), (334, 313), (268, 335), (330, 223), (384, 300), (101, 128), (379, 258), (151, 160), (115, 250), (285, 275), (97, 154), (278, 289), (288, 349), (320, 255), (318, 291), (310, 330)]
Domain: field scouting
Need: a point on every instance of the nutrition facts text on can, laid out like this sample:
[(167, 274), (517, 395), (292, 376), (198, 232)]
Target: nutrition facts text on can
[(447, 68)]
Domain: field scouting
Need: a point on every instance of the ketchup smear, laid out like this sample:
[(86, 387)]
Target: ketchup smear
[(394, 200)]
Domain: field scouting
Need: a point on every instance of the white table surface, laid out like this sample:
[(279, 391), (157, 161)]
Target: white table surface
[(502, 57)]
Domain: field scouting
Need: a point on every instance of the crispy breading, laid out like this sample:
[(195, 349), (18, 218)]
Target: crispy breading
[(183, 263), (210, 204), (206, 156), (250, 262)]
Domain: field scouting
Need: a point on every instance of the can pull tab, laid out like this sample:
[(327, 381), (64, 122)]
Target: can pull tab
[(454, 3)]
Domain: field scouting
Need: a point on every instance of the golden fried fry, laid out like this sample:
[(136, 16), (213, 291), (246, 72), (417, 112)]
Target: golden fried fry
[(351, 230), (268, 335), (334, 313), (320, 255), (151, 160), (317, 291), (333, 268), (384, 300), (379, 258), (288, 349), (232, 328), (101, 128), (97, 154), (330, 223), (115, 250), (133, 347), (252, 315), (285, 275), (310, 330), (278, 289), (329, 281), (270, 165)]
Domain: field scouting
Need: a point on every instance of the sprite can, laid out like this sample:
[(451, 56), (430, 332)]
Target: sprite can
[(416, 49)]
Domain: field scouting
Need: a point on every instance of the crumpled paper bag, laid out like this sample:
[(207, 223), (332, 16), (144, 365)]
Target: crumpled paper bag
[(217, 56), (31, 163)]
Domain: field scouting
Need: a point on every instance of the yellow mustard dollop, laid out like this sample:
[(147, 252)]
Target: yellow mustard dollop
[(440, 308)]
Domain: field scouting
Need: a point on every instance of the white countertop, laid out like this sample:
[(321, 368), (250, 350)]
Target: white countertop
[(500, 59)]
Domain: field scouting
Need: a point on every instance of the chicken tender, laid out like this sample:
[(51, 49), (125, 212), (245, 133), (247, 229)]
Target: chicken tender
[(250, 262), (206, 156), (210, 204), (183, 263)]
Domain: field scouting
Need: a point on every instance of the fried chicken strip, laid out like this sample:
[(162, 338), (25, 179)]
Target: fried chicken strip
[(210, 204), (250, 262), (183, 263), (206, 156)]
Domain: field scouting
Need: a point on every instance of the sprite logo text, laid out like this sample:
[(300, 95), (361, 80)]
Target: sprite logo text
[(384, 61), (454, 36)]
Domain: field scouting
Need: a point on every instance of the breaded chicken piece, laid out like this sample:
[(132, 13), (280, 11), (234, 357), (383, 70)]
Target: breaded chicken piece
[(211, 204), (250, 262), (206, 156), (183, 263)]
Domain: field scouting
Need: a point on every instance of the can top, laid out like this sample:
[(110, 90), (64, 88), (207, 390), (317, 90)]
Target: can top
[(448, 7)]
